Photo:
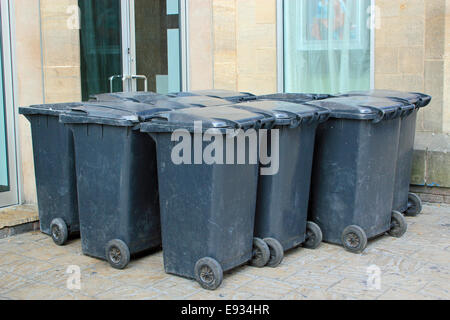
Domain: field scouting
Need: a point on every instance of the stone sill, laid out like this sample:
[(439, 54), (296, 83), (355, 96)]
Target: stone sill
[(17, 215)]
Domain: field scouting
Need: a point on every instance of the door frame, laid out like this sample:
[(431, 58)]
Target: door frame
[(129, 43), (280, 48), (10, 197)]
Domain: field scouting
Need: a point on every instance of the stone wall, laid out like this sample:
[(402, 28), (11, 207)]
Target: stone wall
[(47, 68), (234, 46)]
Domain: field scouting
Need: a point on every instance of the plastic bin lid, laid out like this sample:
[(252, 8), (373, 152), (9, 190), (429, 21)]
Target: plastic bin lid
[(287, 113), (362, 107), (48, 109), (139, 96), (419, 99), (215, 93), (294, 97), (219, 118), (199, 101), (123, 113)]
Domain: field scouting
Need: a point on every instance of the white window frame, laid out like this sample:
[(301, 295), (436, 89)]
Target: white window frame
[(11, 197), (280, 48)]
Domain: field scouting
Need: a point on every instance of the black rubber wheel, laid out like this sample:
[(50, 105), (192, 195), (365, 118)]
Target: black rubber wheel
[(354, 239), (261, 253), (276, 252), (208, 273), (313, 236), (398, 225), (117, 254), (414, 205), (59, 231)]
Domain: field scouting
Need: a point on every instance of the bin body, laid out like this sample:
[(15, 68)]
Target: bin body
[(282, 202), (207, 210), (406, 142), (116, 176), (54, 163), (117, 179), (354, 166)]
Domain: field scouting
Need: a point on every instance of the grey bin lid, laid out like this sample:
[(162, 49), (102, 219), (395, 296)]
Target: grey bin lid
[(219, 118), (199, 101), (363, 107), (114, 113), (49, 109), (287, 113), (419, 99), (131, 96), (294, 97), (216, 93)]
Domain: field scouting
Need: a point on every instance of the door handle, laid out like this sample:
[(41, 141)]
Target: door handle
[(111, 80), (128, 77), (141, 77)]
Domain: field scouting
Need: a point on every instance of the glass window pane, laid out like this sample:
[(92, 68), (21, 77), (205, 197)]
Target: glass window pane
[(4, 179), (158, 44), (327, 45), (101, 45)]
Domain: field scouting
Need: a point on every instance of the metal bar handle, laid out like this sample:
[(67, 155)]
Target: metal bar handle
[(141, 77), (111, 80)]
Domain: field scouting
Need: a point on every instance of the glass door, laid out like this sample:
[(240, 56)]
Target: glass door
[(155, 47), (130, 45), (8, 174)]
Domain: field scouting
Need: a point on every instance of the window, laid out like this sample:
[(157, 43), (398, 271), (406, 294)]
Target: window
[(327, 45)]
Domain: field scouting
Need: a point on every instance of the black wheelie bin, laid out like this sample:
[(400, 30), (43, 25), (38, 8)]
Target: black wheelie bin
[(117, 179), (354, 171), (283, 191), (404, 201), (54, 163), (207, 207)]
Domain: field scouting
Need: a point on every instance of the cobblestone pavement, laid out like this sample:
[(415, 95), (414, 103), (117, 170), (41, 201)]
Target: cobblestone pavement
[(416, 266)]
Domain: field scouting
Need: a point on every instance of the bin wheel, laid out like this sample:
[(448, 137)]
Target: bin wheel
[(313, 235), (354, 239), (261, 253), (398, 225), (276, 252), (208, 273), (117, 254), (59, 231), (414, 205)]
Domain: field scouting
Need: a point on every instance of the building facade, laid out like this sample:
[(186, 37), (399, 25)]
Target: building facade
[(66, 50)]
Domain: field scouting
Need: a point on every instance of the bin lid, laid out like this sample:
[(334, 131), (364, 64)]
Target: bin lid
[(199, 101), (219, 118), (287, 113), (48, 109), (139, 96), (115, 113), (293, 97), (362, 107), (419, 99), (217, 93)]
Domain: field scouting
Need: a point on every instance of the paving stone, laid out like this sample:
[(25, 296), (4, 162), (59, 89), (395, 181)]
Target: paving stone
[(415, 266), (128, 293), (401, 294), (36, 291)]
